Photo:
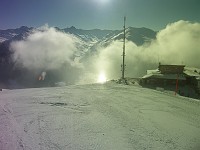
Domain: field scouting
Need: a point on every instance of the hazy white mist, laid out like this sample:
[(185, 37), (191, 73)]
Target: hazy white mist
[(178, 43), (45, 48)]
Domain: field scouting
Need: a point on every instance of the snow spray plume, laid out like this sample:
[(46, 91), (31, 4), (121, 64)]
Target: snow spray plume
[(178, 43), (45, 48), (48, 49)]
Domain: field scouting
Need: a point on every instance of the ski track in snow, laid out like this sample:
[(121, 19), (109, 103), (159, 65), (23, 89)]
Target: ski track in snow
[(97, 117)]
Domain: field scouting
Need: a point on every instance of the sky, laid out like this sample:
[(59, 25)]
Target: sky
[(102, 14)]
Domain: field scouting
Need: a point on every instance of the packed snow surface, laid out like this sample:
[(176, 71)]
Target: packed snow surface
[(97, 117)]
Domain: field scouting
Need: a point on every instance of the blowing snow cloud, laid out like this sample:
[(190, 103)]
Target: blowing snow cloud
[(178, 43), (45, 48)]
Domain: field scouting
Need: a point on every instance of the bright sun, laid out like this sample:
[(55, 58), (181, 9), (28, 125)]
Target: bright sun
[(102, 78), (103, 1)]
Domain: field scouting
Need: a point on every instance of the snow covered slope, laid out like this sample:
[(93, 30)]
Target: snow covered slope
[(98, 116)]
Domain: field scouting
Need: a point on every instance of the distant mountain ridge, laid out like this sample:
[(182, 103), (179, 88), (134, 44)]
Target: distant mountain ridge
[(11, 34), (97, 34), (137, 35)]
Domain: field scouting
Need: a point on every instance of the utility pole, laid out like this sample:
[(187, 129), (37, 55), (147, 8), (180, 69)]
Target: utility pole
[(123, 55)]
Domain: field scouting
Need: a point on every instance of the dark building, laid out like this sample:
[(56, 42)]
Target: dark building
[(167, 76), (171, 69)]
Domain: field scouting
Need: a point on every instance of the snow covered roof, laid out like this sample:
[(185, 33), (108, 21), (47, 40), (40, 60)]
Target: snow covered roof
[(153, 71), (157, 74), (188, 71), (164, 76), (193, 72), (147, 76)]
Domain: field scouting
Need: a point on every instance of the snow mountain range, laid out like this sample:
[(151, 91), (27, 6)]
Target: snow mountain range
[(137, 35), (89, 40)]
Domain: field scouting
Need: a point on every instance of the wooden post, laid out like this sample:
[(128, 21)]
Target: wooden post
[(176, 85)]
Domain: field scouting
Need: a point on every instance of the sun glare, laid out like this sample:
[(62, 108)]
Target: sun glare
[(102, 78), (102, 1)]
